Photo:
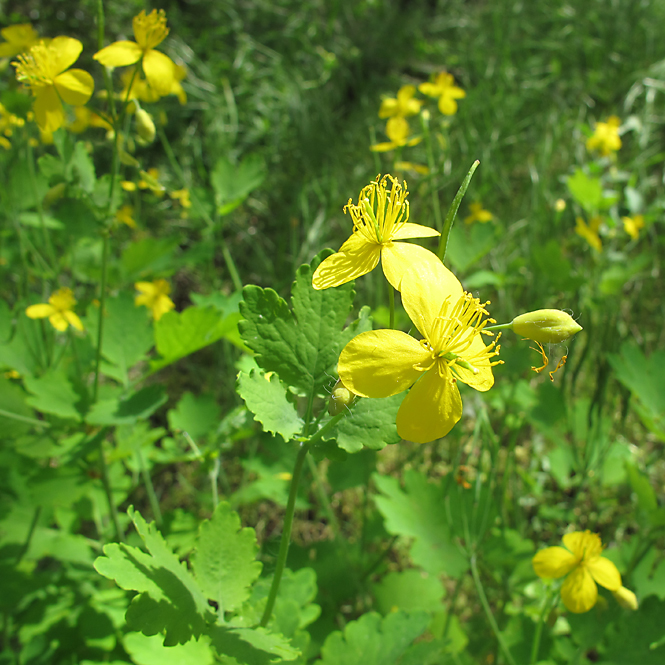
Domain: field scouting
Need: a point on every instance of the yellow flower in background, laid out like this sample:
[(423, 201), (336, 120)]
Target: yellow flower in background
[(581, 563), (149, 31), (605, 137), (402, 106), (381, 363), (559, 205), (445, 89), (8, 121), (632, 225), (590, 232), (125, 215), (149, 180), (18, 39), (379, 219), (411, 166), (398, 131), (478, 214), (140, 88), (45, 70), (84, 118), (182, 196), (58, 309), (155, 296)]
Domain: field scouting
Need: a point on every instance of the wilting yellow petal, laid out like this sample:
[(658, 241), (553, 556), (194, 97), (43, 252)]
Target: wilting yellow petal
[(40, 311), (431, 409), (159, 70), (49, 113), (75, 86), (119, 54), (553, 562), (579, 592), (399, 257), (424, 288), (604, 572), (356, 257), (380, 363)]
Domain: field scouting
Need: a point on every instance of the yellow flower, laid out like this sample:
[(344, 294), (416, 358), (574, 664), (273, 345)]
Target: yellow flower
[(19, 38), (402, 106), (398, 131), (605, 137), (382, 363), (478, 214), (379, 219), (84, 118), (559, 205), (7, 123), (149, 31), (632, 225), (445, 89), (124, 215), (154, 295), (58, 310), (412, 166), (590, 232), (141, 89), (582, 565), (45, 69)]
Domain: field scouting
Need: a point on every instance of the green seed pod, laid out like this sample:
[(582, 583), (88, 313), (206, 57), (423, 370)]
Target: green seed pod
[(547, 326), (340, 398)]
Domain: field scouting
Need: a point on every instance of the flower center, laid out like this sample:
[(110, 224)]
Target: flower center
[(379, 214), (34, 68), (150, 30)]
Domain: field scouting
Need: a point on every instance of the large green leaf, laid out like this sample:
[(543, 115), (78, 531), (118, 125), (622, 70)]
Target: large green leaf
[(302, 345), (178, 335), (372, 640), (169, 598), (232, 184), (225, 560), (586, 190), (251, 646), (196, 415), (266, 399), (137, 406), (53, 393), (418, 512)]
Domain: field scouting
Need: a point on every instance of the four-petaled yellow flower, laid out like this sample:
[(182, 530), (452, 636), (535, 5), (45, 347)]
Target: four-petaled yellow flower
[(605, 137), (382, 363), (58, 309), (398, 131), (125, 215), (632, 225), (401, 107), (149, 31), (45, 69), (154, 295), (19, 38), (590, 232), (582, 565), (445, 89), (379, 219), (478, 214)]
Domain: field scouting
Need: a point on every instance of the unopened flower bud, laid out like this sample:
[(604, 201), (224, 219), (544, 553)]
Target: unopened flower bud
[(340, 398), (145, 127), (547, 326), (626, 598)]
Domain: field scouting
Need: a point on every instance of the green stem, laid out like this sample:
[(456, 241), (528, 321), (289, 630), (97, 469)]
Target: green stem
[(391, 305), (228, 259), (23, 419), (119, 533), (452, 211), (31, 532), (539, 627), (40, 210), (286, 532), (488, 611), (100, 318), (500, 326), (436, 206), (150, 489)]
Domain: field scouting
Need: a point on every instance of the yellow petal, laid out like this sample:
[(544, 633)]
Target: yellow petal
[(604, 572), (58, 321), (579, 592), (553, 562), (410, 230), (40, 311), (447, 106), (75, 86), (425, 287), (159, 70), (162, 305), (49, 113), (73, 320), (431, 409), (583, 544), (356, 257), (381, 363), (65, 51), (119, 54), (484, 379), (399, 257), (388, 107), (429, 89)]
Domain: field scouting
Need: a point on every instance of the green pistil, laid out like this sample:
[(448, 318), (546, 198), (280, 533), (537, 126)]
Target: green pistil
[(458, 361), (370, 213)]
